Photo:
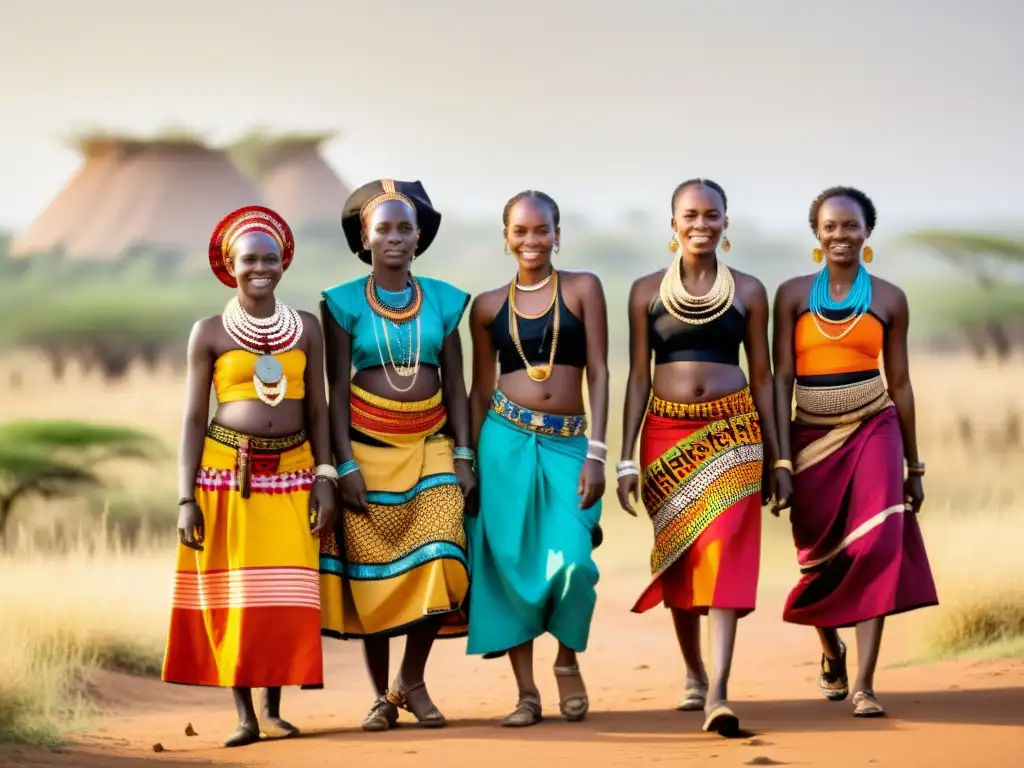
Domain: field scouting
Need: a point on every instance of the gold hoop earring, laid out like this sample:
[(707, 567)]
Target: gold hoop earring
[(673, 244), (726, 245), (818, 255), (868, 254)]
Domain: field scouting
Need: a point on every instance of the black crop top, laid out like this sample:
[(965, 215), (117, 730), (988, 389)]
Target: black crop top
[(535, 338), (674, 341)]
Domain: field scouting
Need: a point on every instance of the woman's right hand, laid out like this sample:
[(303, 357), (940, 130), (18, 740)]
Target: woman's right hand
[(352, 488), (629, 485), (191, 526)]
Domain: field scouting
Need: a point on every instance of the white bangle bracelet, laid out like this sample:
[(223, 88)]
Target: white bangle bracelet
[(599, 459), (326, 471)]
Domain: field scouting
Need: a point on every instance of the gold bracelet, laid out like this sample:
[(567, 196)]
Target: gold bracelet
[(785, 464), (916, 469)]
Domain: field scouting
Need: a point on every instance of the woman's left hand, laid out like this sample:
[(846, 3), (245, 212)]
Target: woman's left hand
[(467, 481), (322, 507), (591, 486), (782, 491), (913, 493)]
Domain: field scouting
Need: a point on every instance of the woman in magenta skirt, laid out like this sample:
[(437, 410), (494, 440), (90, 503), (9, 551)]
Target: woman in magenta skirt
[(854, 504)]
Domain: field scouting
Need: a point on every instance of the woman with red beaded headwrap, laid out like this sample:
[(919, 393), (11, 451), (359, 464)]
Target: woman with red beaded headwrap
[(256, 486)]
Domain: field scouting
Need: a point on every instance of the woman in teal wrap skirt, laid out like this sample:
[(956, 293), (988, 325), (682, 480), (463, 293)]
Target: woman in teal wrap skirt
[(541, 480)]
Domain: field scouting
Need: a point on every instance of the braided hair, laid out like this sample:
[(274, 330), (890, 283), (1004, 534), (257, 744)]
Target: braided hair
[(703, 183), (532, 194), (866, 206)]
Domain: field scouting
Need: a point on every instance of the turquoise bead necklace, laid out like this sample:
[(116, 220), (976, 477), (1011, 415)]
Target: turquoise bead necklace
[(854, 306), (395, 299)]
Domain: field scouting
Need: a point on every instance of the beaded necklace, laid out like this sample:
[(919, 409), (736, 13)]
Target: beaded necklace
[(399, 309), (855, 304), (266, 337), (696, 310)]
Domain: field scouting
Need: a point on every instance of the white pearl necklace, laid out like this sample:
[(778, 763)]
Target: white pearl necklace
[(534, 286)]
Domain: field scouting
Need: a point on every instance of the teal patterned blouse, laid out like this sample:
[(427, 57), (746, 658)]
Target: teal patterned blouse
[(442, 311)]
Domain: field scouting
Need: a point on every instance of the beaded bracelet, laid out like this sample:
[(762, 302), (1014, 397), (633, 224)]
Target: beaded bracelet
[(465, 454), (347, 468), (626, 468)]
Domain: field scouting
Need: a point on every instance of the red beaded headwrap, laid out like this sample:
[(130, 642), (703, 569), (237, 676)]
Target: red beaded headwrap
[(251, 218)]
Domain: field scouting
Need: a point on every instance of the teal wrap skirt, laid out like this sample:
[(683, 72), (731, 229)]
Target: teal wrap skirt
[(530, 547)]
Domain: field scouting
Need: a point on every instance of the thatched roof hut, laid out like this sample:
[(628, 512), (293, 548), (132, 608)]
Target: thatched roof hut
[(164, 193), (295, 179)]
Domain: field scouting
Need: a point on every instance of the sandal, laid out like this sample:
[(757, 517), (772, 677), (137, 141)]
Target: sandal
[(694, 698), (426, 714), (382, 716), (574, 707), (834, 682), (243, 737), (866, 705), (723, 721), (526, 713)]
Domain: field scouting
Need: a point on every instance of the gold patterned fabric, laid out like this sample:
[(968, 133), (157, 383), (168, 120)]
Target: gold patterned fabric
[(405, 560)]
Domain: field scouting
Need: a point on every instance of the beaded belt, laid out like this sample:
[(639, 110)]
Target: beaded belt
[(736, 404), (535, 421), (255, 454), (233, 439), (838, 400)]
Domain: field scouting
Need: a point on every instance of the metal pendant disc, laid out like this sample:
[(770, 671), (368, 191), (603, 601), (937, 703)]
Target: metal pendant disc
[(268, 369)]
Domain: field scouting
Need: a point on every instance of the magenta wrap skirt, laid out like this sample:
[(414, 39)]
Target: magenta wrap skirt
[(861, 553)]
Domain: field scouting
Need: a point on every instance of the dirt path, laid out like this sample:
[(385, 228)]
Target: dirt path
[(944, 715)]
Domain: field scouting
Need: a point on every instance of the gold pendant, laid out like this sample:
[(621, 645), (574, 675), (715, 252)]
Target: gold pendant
[(539, 372), (405, 371)]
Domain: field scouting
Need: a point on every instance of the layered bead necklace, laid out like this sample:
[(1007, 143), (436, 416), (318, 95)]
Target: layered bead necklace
[(266, 337), (535, 372), (696, 310), (400, 310), (855, 305)]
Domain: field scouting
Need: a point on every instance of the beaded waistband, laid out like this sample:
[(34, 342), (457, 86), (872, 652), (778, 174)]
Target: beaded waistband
[(231, 438), (395, 406), (838, 400), (543, 423), (736, 404)]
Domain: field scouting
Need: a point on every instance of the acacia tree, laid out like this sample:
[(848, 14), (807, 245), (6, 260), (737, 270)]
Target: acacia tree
[(991, 261), (60, 459)]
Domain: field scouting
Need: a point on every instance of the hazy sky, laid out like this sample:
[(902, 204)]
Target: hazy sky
[(606, 105)]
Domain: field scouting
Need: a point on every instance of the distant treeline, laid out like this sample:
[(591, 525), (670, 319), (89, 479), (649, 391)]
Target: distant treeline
[(139, 308)]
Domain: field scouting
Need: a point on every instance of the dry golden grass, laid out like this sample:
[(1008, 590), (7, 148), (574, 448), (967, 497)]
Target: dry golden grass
[(101, 603), (97, 605)]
